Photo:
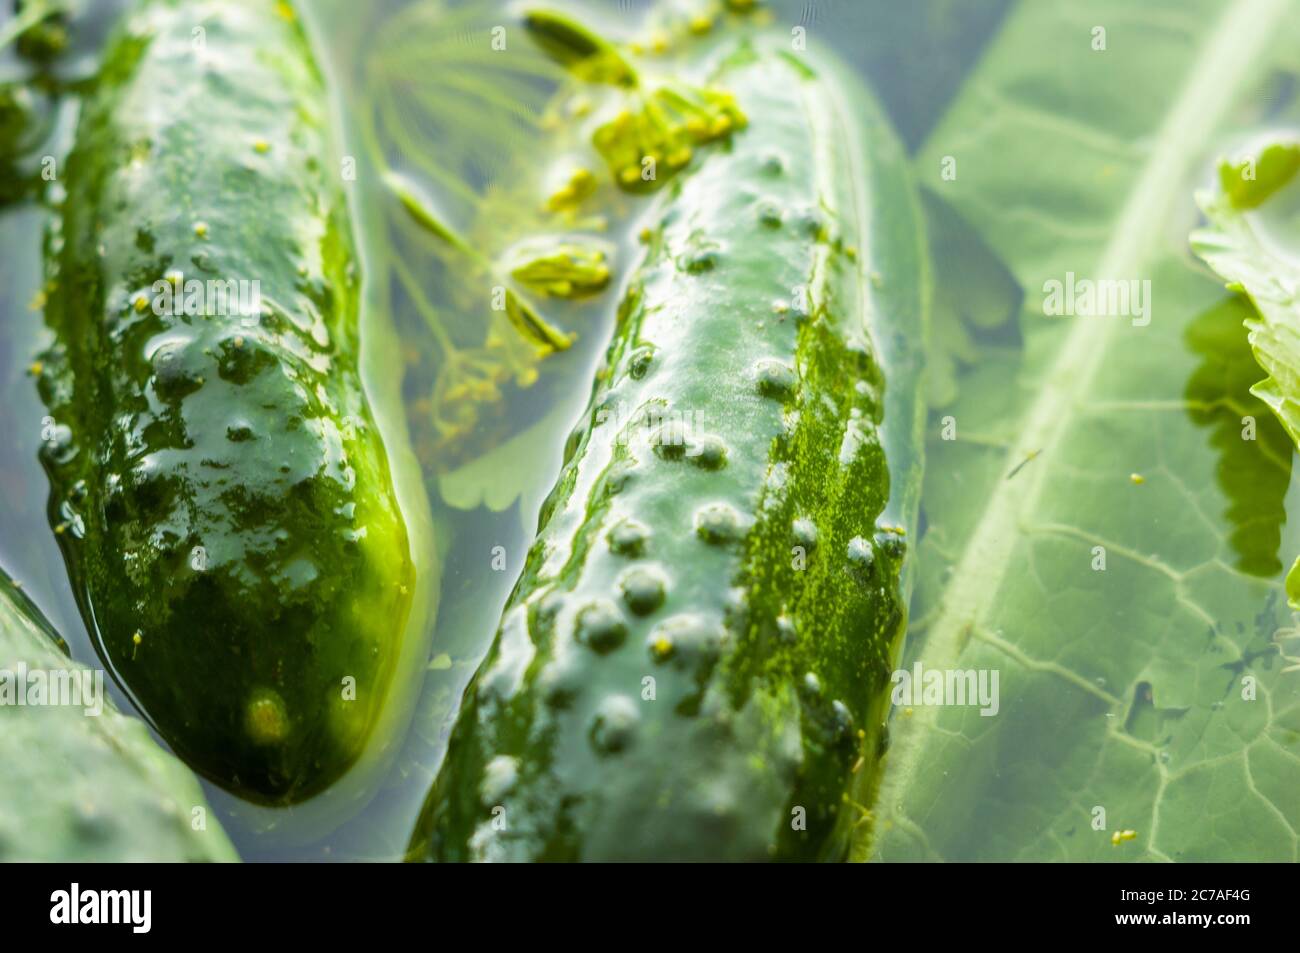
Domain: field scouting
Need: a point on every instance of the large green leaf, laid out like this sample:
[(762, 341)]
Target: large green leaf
[(1126, 689)]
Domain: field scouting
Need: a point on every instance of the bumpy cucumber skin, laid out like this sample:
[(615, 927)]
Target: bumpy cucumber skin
[(82, 788), (223, 496), (680, 564)]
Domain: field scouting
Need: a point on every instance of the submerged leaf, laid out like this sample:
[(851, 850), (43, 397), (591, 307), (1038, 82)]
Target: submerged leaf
[(419, 209), (561, 269), (588, 56), (522, 314), (643, 146), (1139, 710)]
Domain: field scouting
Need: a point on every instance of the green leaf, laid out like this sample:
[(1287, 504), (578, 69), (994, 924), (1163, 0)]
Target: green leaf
[(1250, 182), (1252, 244), (1256, 253), (1145, 696)]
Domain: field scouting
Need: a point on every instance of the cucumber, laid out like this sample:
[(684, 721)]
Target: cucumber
[(79, 785), (695, 662), (246, 545)]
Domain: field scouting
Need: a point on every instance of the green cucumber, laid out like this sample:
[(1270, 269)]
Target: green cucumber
[(695, 663), (81, 781), (233, 500)]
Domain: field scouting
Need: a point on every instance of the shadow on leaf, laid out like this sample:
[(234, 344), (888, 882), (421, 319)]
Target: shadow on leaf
[(1254, 452)]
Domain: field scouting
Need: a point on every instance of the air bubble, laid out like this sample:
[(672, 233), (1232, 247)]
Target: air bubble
[(892, 542), (860, 553), (172, 378), (810, 224), (618, 476), (842, 720), (60, 449)]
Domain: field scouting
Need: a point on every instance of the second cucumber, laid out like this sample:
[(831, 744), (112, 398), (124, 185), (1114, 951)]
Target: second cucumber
[(695, 663)]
